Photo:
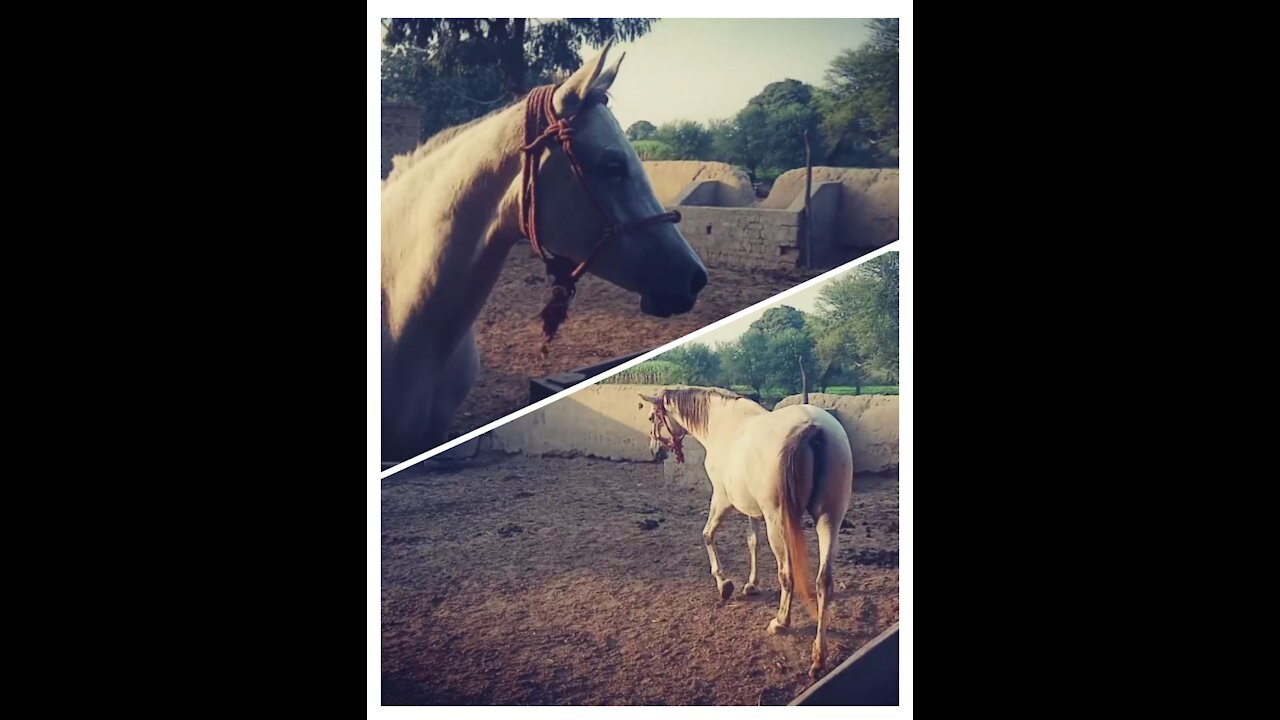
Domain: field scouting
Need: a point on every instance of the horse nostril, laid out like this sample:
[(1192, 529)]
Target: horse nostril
[(699, 281)]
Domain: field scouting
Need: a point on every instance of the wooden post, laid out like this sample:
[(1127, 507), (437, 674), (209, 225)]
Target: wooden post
[(808, 216), (804, 380)]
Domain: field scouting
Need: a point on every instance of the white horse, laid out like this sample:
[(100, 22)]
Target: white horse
[(454, 208), (770, 466)]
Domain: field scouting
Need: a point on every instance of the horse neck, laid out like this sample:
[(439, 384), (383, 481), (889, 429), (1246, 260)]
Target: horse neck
[(724, 416), (447, 226)]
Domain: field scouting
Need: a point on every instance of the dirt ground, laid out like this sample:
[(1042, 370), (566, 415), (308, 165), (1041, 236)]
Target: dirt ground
[(604, 322), (527, 580)]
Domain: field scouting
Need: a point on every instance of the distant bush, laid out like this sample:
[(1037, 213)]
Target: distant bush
[(653, 150)]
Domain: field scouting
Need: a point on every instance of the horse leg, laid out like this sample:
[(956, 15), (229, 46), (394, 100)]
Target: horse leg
[(828, 528), (778, 541), (752, 588), (454, 383), (719, 506)]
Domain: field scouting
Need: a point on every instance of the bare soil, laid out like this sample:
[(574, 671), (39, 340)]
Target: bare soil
[(527, 580), (604, 322)]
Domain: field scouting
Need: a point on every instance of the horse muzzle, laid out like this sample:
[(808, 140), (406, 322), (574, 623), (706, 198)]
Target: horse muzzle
[(668, 304)]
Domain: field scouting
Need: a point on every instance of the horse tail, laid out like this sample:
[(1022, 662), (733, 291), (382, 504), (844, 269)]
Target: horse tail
[(801, 460)]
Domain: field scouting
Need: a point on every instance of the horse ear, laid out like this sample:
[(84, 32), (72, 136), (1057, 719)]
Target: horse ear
[(607, 77), (646, 398), (570, 94)]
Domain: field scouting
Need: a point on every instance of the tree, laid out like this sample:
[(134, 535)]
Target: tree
[(776, 319), (746, 361), (515, 46), (860, 103), (696, 363), (687, 140), (641, 130), (780, 95), (785, 351), (742, 140), (458, 69), (767, 136), (836, 352), (865, 304), (653, 150)]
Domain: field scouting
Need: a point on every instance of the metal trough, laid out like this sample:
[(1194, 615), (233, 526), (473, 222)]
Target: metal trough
[(868, 677), (545, 387)]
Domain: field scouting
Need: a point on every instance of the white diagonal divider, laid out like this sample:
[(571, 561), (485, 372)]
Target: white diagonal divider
[(891, 247)]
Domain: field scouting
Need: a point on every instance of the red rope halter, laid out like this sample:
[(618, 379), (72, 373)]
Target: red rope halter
[(661, 420), (540, 126)]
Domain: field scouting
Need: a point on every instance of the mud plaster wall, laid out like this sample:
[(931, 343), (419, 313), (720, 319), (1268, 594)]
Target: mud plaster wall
[(669, 177), (610, 421), (743, 238), (867, 216), (605, 421)]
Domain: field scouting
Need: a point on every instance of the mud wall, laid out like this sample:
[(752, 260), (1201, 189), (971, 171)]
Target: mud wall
[(867, 214), (732, 187), (612, 422)]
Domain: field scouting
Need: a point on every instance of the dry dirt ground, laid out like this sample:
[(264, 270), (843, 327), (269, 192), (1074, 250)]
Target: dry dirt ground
[(527, 580), (604, 322)]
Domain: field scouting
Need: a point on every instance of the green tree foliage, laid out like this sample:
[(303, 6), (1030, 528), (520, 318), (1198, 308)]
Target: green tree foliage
[(641, 130), (860, 103), (851, 339), (746, 360), (741, 140), (776, 319), (784, 352), (653, 150), (697, 363), (685, 139), (458, 69), (865, 305), (767, 136), (836, 353), (852, 121)]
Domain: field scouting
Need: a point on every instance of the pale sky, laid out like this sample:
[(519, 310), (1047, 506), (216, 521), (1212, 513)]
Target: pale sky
[(686, 69)]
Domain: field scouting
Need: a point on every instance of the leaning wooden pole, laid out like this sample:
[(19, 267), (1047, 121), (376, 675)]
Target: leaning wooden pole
[(808, 191), (804, 380)]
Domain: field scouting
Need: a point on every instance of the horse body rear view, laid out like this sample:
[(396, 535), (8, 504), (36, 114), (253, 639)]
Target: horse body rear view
[(772, 467), (453, 209)]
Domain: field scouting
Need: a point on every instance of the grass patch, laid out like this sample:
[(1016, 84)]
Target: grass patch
[(778, 393), (866, 390)]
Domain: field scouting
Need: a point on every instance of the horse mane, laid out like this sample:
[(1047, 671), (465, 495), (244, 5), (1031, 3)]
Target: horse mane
[(401, 164), (693, 404)]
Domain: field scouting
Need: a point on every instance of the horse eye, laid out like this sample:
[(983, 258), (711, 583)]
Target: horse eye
[(614, 169)]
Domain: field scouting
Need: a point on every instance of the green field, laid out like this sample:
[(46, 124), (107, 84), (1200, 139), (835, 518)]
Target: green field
[(775, 394), (866, 390)]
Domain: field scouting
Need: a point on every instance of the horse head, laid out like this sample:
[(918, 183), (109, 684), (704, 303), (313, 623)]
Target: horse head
[(594, 203)]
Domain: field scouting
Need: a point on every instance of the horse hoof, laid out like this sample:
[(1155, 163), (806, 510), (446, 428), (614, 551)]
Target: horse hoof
[(774, 627), (750, 590), (726, 590)]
